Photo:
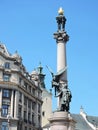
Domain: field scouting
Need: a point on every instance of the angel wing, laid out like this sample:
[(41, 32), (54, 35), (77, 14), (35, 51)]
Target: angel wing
[(50, 70), (60, 73)]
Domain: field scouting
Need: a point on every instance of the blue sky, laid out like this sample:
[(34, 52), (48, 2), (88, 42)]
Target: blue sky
[(28, 26)]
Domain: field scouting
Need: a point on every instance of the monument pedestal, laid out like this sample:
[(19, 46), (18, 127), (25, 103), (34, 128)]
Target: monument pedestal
[(61, 120)]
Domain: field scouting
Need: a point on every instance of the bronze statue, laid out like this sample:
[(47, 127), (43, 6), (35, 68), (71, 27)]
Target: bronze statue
[(61, 90)]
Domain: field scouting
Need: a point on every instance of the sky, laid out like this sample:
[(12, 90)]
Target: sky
[(28, 26)]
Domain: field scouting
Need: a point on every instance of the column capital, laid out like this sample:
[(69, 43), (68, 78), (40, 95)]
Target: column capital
[(61, 37)]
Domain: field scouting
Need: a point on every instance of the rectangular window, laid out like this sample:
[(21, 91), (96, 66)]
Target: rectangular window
[(33, 118), (25, 85), (25, 128), (25, 114), (29, 88), (4, 125), (4, 110), (20, 97), (33, 105), (33, 91), (39, 120), (6, 93), (7, 65), (20, 81), (29, 118), (6, 77), (39, 108), (25, 100), (19, 111), (29, 103)]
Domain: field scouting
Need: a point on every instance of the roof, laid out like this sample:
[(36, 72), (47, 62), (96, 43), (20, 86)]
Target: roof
[(81, 124), (93, 120)]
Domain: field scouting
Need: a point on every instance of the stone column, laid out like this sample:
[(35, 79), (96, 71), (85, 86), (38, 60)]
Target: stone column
[(31, 112), (12, 103), (22, 106), (0, 101), (61, 39), (27, 109), (16, 104)]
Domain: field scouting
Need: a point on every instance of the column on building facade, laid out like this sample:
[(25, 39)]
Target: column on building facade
[(27, 110), (16, 104), (31, 112), (22, 113), (36, 114), (12, 103), (0, 101)]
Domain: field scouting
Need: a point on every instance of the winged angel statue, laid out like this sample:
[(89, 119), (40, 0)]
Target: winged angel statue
[(61, 90)]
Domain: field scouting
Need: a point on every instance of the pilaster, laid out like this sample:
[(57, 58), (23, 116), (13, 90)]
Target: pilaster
[(27, 110), (22, 106), (12, 103), (31, 112), (16, 104), (0, 101)]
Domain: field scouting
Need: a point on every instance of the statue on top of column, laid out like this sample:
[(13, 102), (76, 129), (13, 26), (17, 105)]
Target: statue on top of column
[(61, 20)]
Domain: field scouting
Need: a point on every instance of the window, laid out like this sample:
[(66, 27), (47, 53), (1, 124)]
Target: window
[(33, 105), (29, 117), (6, 93), (6, 77), (39, 119), (29, 88), (33, 91), (25, 128), (25, 100), (4, 125), (20, 81), (19, 111), (20, 97), (25, 85), (39, 94), (25, 116), (39, 108), (33, 118), (29, 103), (43, 113), (7, 65), (4, 110)]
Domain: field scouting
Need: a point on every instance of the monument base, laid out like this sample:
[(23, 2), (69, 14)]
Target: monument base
[(61, 120)]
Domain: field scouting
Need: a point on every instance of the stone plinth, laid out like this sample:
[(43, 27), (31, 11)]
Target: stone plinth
[(61, 120)]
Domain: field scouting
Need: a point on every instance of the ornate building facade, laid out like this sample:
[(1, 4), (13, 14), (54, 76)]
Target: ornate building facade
[(20, 94)]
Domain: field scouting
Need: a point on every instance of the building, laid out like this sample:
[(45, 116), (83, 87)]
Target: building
[(46, 98), (83, 121), (20, 94)]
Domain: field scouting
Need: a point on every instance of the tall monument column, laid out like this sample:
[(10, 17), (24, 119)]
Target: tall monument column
[(61, 119), (61, 39)]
